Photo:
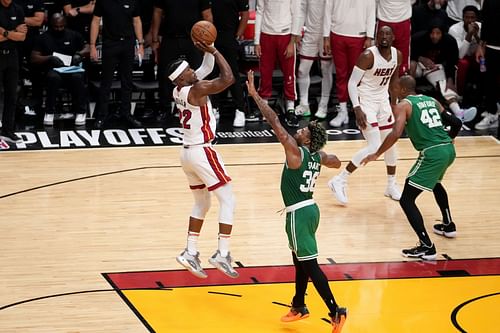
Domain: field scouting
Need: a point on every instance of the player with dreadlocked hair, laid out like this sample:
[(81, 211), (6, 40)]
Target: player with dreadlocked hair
[(304, 159)]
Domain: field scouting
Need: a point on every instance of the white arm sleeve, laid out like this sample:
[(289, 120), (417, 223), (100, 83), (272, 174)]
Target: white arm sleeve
[(327, 18), (356, 76), (206, 66), (259, 12)]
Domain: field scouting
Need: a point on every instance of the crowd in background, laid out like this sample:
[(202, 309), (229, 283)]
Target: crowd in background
[(451, 46)]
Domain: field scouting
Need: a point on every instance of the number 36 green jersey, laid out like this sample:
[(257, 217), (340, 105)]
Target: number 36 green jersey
[(298, 184)]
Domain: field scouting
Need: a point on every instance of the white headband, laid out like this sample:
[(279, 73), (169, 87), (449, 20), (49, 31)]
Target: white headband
[(178, 71)]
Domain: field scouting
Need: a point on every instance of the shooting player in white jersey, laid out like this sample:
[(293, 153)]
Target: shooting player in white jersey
[(376, 72), (202, 165)]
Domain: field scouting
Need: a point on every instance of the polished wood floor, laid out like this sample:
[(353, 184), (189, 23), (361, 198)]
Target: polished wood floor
[(69, 215)]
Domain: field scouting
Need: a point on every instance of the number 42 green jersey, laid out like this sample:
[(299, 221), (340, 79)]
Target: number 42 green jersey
[(298, 184), (425, 128)]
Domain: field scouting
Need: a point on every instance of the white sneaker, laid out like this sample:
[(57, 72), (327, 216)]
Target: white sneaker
[(192, 263), (339, 120), (466, 115), (489, 121), (321, 113), (302, 110), (338, 186), (393, 192), (223, 264), (80, 119), (239, 119), (216, 113), (48, 119)]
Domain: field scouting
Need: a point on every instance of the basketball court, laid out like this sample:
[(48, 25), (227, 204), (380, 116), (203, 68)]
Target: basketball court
[(90, 236)]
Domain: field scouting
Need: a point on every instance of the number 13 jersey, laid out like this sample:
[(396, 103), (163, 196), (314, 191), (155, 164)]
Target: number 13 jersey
[(375, 82), (298, 184), (198, 122)]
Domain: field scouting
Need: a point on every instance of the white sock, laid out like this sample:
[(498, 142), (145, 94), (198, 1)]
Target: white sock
[(344, 174), (455, 107), (343, 107), (323, 103), (192, 240), (224, 244), (391, 180), (290, 105)]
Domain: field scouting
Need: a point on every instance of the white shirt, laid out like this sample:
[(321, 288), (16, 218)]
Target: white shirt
[(198, 122), (465, 48), (311, 16), (351, 18), (393, 11), (277, 17), (375, 82), (454, 8)]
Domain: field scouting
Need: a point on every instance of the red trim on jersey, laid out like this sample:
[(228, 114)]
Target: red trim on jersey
[(307, 57), (374, 124), (197, 187), (216, 186), (208, 135), (216, 167), (385, 127)]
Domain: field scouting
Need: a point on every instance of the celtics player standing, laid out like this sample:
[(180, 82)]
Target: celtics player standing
[(304, 158), (423, 118)]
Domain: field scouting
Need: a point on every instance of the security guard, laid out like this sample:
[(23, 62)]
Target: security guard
[(176, 19), (60, 40), (79, 13), (12, 30), (121, 26), (34, 16), (231, 18)]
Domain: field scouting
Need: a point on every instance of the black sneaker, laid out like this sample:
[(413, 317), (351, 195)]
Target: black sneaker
[(446, 230), (252, 116), (421, 251), (10, 136), (291, 119), (338, 320)]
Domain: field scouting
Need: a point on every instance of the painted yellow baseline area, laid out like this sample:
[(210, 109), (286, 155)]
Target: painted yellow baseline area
[(382, 306)]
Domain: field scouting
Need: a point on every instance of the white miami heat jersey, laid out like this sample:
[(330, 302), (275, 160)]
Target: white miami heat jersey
[(375, 82), (198, 122)]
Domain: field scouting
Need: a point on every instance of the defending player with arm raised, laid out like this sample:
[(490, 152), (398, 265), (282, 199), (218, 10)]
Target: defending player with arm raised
[(304, 158), (202, 164), (423, 118)]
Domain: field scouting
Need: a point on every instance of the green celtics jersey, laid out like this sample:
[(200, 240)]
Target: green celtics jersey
[(298, 185), (424, 128)]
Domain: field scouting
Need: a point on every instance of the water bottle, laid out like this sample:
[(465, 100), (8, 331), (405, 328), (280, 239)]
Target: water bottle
[(482, 65)]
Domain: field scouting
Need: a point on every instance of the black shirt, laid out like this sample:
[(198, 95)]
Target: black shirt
[(68, 43), (117, 18), (10, 18), (80, 22), (180, 15), (490, 30), (422, 17), (30, 7), (147, 7), (227, 14), (445, 52)]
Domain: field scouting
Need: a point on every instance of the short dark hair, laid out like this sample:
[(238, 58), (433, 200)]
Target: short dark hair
[(173, 66), (470, 8), (318, 136)]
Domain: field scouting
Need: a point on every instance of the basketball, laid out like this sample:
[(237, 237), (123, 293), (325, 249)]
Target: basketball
[(204, 31)]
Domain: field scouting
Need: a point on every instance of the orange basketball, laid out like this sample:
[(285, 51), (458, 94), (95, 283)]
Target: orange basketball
[(204, 31)]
